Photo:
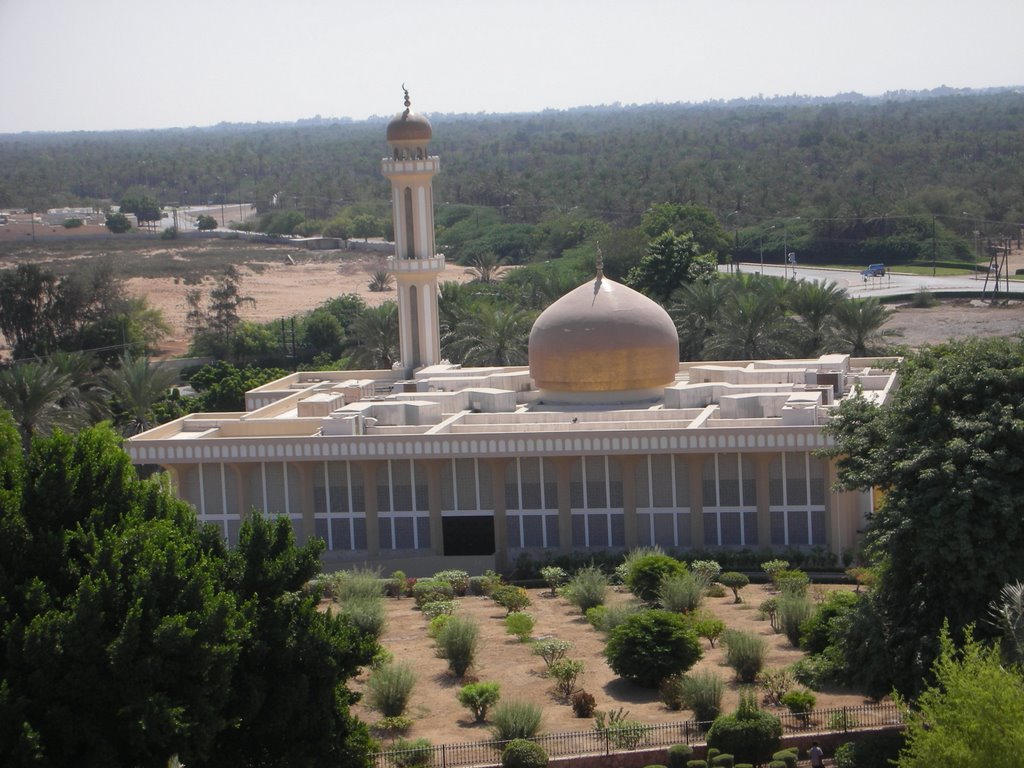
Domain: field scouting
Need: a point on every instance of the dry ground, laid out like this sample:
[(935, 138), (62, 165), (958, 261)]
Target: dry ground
[(438, 716)]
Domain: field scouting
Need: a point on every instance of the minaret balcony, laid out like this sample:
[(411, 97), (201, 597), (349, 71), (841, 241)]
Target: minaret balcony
[(435, 264), (390, 167)]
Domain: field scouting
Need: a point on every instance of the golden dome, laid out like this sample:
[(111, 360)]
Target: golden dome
[(603, 337), (408, 126)]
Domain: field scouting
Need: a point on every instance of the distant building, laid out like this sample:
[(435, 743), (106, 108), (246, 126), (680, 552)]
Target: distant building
[(605, 441)]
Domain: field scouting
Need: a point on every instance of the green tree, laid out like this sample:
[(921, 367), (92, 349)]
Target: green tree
[(323, 332), (375, 333), (118, 223), (815, 302), (136, 386), (29, 296), (651, 645), (695, 220), (366, 225), (949, 451), (752, 323), (33, 393), (491, 335), (859, 327), (206, 223), (671, 261), (145, 208), (972, 716)]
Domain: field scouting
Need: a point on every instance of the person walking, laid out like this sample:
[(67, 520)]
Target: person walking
[(816, 755)]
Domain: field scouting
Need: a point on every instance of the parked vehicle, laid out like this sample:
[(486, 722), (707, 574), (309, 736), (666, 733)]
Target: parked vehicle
[(874, 270)]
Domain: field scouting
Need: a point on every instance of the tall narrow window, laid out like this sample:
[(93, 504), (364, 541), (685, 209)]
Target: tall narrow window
[(410, 246), (414, 317)]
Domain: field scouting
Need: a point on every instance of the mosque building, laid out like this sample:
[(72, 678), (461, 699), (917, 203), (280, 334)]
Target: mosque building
[(605, 441)]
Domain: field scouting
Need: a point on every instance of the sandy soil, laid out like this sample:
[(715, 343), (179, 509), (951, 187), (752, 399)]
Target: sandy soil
[(437, 715)]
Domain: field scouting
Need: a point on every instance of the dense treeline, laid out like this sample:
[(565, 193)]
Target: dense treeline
[(849, 170)]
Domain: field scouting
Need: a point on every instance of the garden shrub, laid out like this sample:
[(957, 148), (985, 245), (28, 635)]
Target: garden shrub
[(646, 574), (772, 567), (521, 753), (431, 590), (706, 571), (787, 756), (679, 755), (554, 577), (750, 733), (700, 691), (512, 599), (437, 624), (478, 698), (873, 750), (395, 586), (792, 582), (794, 610), (389, 687), (484, 585), (612, 616), (520, 625), (366, 614), (357, 583), (800, 703), (769, 609), (745, 653), (696, 764), (651, 645), (411, 753), (710, 628), (724, 760), (734, 581), (586, 589), (818, 631), (457, 579), (399, 724), (715, 590), (457, 643), (622, 570), (512, 719), (619, 730), (680, 592), (820, 669), (551, 650), (439, 608), (583, 704), (776, 683), (595, 616), (565, 673), (381, 657)]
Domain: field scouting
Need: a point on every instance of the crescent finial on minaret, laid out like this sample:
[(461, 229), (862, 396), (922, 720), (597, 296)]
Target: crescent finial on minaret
[(600, 261), (408, 103)]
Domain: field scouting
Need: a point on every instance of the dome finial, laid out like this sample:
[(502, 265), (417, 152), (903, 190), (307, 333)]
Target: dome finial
[(408, 103), (600, 262)]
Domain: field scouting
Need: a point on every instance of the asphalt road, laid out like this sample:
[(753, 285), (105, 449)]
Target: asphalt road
[(893, 284)]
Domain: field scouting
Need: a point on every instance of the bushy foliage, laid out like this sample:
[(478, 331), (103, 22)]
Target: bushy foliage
[(699, 691), (484, 585), (734, 581), (458, 579), (791, 582), (710, 628), (511, 598), (437, 608), (750, 733), (605, 618), (457, 643), (619, 730), (681, 592), (769, 609), (430, 591), (587, 588), (818, 631), (771, 567), (397, 584), (776, 683), (706, 570), (554, 577), (678, 755), (522, 753), (631, 557), (651, 645), (514, 719), (389, 688), (478, 698), (647, 573), (745, 653), (520, 625), (583, 704), (799, 702), (552, 650), (872, 750), (437, 624), (365, 614), (411, 753), (565, 672), (794, 610)]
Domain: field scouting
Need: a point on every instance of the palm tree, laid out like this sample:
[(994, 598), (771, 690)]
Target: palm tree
[(85, 392), (814, 301), (493, 336), (376, 334), (33, 392), (858, 329), (137, 385), (485, 268), (696, 311), (751, 324)]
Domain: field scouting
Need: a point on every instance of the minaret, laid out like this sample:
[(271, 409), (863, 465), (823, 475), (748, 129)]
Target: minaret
[(415, 265)]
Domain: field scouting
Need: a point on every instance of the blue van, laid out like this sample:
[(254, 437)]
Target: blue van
[(874, 270)]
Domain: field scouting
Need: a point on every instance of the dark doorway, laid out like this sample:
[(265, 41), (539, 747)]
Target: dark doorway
[(468, 535)]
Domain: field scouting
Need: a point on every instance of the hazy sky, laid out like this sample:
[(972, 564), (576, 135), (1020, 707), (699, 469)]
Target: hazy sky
[(100, 64)]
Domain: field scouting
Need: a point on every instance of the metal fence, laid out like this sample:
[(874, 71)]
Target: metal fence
[(632, 737)]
